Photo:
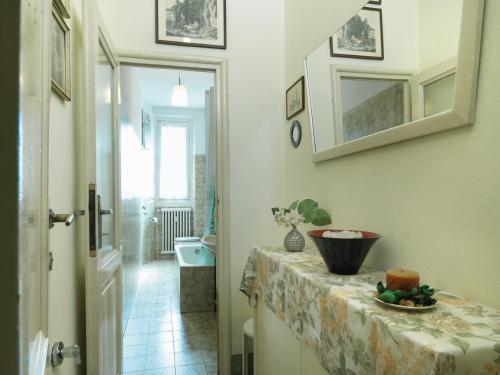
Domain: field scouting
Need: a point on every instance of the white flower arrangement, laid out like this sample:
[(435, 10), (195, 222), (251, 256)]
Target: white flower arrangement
[(288, 218), (306, 211)]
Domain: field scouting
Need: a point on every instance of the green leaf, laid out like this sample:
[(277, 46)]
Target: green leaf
[(309, 209), (427, 290), (460, 343), (322, 218), (380, 287), (294, 205)]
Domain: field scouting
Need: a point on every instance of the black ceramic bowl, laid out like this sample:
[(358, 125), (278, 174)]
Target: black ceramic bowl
[(343, 256)]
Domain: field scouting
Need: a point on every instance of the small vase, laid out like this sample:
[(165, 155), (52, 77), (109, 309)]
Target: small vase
[(294, 240)]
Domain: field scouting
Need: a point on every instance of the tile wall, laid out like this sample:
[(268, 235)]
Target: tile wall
[(200, 202)]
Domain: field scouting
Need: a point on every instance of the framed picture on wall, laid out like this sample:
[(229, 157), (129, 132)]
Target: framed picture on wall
[(295, 99), (195, 23), (362, 37), (64, 7), (60, 60), (146, 130)]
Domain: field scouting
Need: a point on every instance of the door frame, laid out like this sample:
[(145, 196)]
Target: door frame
[(25, 351), (219, 66)]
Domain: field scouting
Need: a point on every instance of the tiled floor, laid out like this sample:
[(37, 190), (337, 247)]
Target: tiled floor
[(159, 340)]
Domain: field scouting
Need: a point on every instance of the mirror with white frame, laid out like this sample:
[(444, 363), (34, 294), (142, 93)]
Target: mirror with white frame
[(397, 70)]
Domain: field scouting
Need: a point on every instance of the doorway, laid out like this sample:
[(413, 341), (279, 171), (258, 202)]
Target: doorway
[(169, 206)]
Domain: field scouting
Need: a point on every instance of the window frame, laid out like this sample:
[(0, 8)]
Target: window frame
[(186, 122)]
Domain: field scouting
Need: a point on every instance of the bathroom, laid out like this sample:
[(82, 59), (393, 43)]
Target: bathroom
[(361, 121), (168, 204)]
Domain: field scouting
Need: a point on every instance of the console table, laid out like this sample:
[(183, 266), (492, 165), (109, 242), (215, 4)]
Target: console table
[(349, 333)]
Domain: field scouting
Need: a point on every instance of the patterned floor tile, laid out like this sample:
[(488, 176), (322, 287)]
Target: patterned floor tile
[(158, 337)]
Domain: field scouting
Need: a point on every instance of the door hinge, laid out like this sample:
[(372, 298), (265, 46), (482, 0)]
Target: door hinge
[(51, 261)]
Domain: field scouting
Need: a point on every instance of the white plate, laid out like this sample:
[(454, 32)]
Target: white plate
[(405, 308)]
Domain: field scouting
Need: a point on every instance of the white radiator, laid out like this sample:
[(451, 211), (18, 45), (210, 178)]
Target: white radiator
[(176, 222)]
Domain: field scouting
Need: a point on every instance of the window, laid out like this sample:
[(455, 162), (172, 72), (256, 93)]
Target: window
[(174, 161)]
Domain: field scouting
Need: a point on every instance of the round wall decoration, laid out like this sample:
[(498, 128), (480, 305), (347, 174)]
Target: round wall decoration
[(295, 133)]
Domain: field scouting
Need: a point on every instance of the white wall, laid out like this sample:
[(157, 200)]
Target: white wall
[(442, 17), (256, 113)]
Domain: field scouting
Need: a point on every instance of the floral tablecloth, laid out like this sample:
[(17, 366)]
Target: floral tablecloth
[(351, 334)]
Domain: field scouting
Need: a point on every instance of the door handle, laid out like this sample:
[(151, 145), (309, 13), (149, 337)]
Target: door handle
[(67, 219)]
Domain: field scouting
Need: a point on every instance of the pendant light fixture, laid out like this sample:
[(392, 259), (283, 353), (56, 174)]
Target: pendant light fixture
[(179, 95)]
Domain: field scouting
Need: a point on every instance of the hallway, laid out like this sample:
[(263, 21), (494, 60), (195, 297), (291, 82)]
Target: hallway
[(159, 340)]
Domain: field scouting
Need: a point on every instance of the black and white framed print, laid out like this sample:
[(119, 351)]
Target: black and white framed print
[(295, 99), (60, 61), (195, 23), (362, 37)]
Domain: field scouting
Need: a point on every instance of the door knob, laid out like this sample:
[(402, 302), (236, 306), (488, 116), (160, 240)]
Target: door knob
[(67, 219), (59, 352)]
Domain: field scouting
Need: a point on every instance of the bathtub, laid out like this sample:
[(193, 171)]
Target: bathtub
[(194, 255), (197, 277)]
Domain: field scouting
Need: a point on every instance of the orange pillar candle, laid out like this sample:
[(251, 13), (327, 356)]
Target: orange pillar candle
[(400, 279)]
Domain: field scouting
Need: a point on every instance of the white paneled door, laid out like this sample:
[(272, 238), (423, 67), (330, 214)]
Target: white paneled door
[(104, 257)]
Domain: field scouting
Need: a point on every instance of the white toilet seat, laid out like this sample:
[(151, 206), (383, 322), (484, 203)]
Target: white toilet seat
[(187, 239)]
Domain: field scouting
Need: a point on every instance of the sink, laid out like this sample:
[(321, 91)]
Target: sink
[(210, 242)]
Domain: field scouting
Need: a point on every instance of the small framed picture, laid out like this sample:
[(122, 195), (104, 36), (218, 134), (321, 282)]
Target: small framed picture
[(375, 2), (63, 6), (295, 99), (362, 37), (195, 23), (60, 60), (146, 130)]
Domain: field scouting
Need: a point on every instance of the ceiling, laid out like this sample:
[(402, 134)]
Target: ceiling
[(156, 85)]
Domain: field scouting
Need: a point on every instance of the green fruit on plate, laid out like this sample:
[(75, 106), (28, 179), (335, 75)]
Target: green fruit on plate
[(388, 296)]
